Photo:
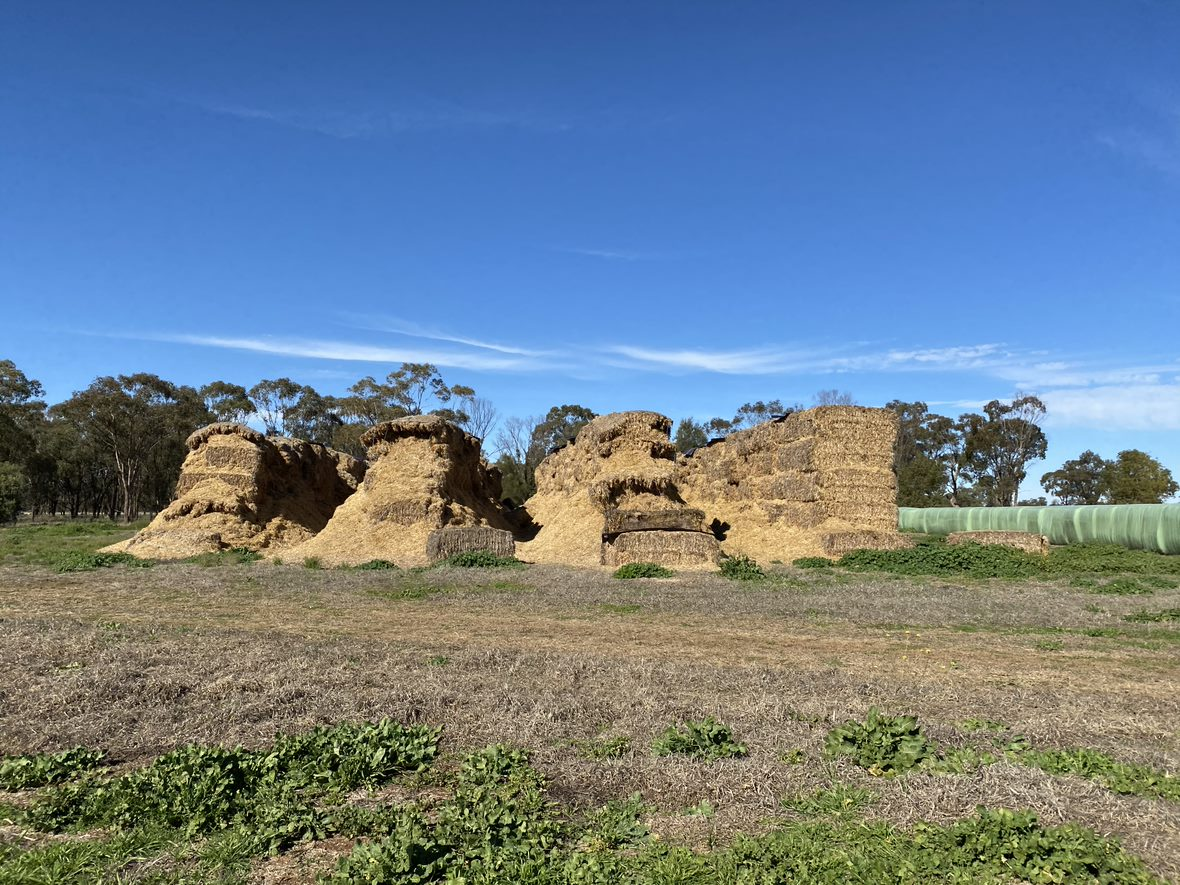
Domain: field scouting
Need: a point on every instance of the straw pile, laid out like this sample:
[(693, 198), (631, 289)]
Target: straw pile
[(452, 540), (611, 498), (815, 483), (1029, 542), (238, 488), (424, 474)]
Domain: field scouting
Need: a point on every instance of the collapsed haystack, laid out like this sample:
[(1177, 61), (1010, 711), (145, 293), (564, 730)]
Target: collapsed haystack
[(424, 474), (815, 483), (238, 488), (610, 498)]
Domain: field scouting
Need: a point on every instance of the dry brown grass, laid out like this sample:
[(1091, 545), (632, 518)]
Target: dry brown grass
[(139, 661)]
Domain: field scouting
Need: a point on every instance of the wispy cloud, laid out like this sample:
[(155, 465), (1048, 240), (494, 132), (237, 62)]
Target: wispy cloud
[(780, 361), (1122, 407), (413, 330), (1156, 144), (351, 352), (418, 115), (612, 254)]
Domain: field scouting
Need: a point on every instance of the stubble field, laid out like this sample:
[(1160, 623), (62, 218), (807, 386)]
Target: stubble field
[(586, 673)]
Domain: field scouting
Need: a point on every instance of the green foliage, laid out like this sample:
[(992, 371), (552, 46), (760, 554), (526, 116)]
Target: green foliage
[(839, 798), (742, 568), (1120, 777), (1150, 617), (689, 435), (311, 562), (1123, 587), (200, 815), (88, 562), (618, 824), (23, 772), (812, 562), (1135, 477), (12, 481), (642, 570), (707, 739), (934, 557), (270, 794), (480, 559), (376, 565), (883, 745)]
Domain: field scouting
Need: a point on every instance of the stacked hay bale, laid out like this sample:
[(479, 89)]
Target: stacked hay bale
[(1029, 542), (424, 473), (610, 498), (815, 483), (238, 488)]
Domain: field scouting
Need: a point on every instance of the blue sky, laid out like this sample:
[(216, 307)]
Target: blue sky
[(679, 206)]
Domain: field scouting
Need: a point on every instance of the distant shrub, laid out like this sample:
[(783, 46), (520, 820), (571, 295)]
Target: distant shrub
[(88, 562), (741, 568), (480, 559), (642, 570), (312, 562), (812, 562), (376, 565), (707, 739)]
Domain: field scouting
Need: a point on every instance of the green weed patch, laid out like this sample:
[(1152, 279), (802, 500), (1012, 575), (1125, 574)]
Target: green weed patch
[(642, 570), (480, 559), (707, 739), (24, 772), (742, 568)]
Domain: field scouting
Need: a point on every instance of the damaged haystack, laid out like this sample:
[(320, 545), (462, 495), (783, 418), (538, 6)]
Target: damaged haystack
[(424, 474), (238, 488), (611, 498), (815, 483)]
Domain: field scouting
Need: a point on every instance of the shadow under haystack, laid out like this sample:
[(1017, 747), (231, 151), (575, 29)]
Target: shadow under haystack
[(240, 489), (424, 474)]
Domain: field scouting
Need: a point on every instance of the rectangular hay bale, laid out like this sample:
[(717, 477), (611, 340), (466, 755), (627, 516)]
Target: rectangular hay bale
[(678, 549), (454, 539), (682, 519), (1029, 542)]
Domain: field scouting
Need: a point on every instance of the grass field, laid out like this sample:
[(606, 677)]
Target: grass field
[(1054, 694)]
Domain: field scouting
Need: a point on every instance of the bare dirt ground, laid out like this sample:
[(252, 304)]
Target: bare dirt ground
[(137, 661)]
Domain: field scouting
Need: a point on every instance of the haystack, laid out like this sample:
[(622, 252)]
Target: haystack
[(1029, 542), (611, 498), (238, 488), (815, 483), (424, 474)]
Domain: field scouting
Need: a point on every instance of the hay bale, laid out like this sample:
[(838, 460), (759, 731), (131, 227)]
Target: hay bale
[(1029, 542), (452, 540), (682, 519), (238, 488), (424, 474), (836, 544), (786, 485), (684, 550), (620, 463)]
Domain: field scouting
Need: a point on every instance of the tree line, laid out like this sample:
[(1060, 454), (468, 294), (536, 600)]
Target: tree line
[(115, 448), (982, 459)]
